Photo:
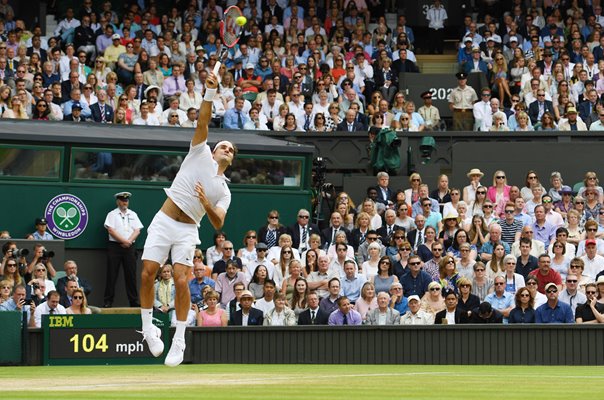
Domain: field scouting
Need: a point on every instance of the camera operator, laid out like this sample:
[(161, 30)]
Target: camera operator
[(42, 256), (36, 290), (10, 251), (19, 303)]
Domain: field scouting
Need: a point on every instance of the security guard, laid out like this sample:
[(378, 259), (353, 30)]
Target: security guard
[(461, 101), (123, 226)]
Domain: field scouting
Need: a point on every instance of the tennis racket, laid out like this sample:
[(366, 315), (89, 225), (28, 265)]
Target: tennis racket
[(230, 33)]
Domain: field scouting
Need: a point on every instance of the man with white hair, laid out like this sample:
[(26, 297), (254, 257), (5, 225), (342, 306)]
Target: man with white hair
[(383, 315)]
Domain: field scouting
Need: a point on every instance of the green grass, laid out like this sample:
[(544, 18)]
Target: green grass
[(332, 382)]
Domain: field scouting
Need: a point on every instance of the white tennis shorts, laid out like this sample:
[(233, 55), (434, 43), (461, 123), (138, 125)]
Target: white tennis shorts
[(166, 236)]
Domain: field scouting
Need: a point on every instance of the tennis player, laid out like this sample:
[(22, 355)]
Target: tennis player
[(200, 188)]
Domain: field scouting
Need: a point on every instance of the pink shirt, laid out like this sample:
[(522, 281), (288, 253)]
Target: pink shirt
[(212, 320)]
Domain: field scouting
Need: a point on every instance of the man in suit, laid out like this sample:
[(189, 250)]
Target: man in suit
[(451, 315), (403, 64), (349, 124), (539, 107), (247, 315), (72, 83), (66, 300), (383, 315), (388, 229), (6, 74), (360, 117), (270, 233), (415, 237), (588, 107), (301, 231), (314, 314), (101, 111), (328, 235), (384, 192), (476, 64), (139, 86), (36, 42), (71, 273)]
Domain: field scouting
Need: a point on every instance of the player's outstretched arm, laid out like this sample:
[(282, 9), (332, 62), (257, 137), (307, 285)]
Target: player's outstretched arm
[(205, 111)]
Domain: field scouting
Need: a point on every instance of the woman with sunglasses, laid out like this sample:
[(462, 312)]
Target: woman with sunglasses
[(247, 253), (412, 193), (41, 111), (476, 207), (524, 312), (433, 301), (448, 273), (482, 285), (467, 301), (499, 192), (79, 304), (592, 203), (402, 217), (40, 272), (591, 180), (532, 285), (531, 179), (6, 289), (320, 124)]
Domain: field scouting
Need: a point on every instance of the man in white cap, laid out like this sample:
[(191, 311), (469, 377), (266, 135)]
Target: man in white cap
[(199, 188), (415, 315), (123, 226)]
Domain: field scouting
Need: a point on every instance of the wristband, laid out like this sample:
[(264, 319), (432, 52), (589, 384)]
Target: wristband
[(210, 94)]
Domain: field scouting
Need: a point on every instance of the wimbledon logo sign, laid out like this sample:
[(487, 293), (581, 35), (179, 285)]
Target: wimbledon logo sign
[(67, 216)]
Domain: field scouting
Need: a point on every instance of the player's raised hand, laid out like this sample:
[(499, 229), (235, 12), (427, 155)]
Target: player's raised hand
[(211, 81)]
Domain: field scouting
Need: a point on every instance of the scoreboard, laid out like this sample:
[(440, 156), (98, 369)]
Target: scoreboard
[(99, 339)]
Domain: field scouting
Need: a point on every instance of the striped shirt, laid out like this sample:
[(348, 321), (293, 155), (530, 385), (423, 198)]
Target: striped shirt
[(508, 231)]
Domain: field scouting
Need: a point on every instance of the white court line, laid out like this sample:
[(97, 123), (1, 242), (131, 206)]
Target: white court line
[(272, 380)]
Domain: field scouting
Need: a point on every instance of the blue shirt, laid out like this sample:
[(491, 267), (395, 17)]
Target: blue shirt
[(352, 318), (231, 119), (500, 303), (561, 314), (196, 288), (524, 218), (488, 247), (402, 306), (417, 285), (416, 208), (545, 233), (45, 236), (351, 288)]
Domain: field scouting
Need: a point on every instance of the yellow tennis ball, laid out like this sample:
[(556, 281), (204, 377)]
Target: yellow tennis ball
[(241, 20)]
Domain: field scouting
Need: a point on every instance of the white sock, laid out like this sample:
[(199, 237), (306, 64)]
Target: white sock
[(147, 317), (180, 330)]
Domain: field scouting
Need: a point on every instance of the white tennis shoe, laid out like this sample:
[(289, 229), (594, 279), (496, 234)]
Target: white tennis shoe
[(176, 353)]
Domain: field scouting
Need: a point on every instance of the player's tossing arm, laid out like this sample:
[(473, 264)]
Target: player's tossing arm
[(216, 215), (205, 111)]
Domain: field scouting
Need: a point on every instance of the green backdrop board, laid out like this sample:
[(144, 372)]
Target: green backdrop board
[(99, 339), (10, 344)]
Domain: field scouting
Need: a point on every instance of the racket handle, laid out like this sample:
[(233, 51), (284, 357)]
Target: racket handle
[(216, 68)]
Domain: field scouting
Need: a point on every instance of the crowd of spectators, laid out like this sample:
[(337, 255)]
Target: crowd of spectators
[(299, 66), (485, 253), (305, 66)]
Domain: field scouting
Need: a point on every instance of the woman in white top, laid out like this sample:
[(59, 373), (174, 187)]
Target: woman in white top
[(476, 206), (247, 254), (279, 120), (560, 262), (370, 208), (412, 194), (17, 110), (191, 98), (370, 267), (340, 239), (40, 272), (403, 219), (214, 253)]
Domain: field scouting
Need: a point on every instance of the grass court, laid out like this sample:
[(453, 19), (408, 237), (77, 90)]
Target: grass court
[(332, 382)]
